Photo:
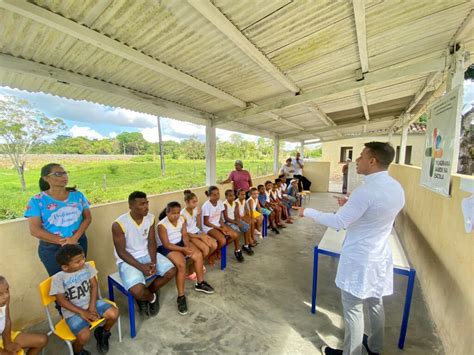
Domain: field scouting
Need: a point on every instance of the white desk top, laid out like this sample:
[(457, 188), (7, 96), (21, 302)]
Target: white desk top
[(332, 241)]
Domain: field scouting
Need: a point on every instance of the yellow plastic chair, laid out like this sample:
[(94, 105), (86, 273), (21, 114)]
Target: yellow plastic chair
[(21, 352), (61, 329)]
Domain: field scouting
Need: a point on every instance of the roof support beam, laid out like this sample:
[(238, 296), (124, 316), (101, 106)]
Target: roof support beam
[(375, 77), (344, 126), (222, 23), (365, 105), (101, 41), (52, 74), (322, 116), (359, 18)]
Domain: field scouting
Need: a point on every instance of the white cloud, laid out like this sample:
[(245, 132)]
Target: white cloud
[(87, 132), (184, 128), (151, 135), (113, 134)]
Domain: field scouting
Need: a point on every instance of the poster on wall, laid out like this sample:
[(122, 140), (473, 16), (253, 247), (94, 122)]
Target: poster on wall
[(353, 179), (441, 128)]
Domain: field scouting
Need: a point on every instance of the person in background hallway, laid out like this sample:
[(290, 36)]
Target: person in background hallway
[(365, 270), (345, 170)]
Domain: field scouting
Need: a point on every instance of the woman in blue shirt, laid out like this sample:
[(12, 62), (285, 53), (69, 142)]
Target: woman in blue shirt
[(58, 215)]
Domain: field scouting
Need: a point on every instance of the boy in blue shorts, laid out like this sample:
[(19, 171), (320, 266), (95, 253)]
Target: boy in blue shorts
[(75, 288), (264, 201), (134, 237)]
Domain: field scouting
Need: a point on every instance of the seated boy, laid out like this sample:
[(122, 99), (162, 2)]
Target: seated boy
[(134, 237), (11, 342), (76, 291)]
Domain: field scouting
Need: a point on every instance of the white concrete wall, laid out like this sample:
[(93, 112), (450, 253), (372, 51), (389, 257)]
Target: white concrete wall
[(331, 150)]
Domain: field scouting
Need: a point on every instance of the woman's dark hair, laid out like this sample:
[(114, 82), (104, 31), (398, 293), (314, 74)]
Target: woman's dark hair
[(210, 189), (253, 189), (45, 171), (382, 152), (189, 195), (67, 252), (168, 208)]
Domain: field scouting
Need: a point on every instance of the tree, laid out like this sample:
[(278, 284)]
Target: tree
[(193, 148), (21, 129), (132, 143)]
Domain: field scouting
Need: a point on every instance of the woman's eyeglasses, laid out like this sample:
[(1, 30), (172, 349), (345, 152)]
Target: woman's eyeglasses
[(58, 173)]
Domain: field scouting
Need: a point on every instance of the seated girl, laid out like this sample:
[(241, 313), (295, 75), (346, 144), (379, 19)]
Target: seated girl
[(174, 244), (266, 209), (11, 341), (256, 216), (192, 215), (244, 214), (213, 223), (233, 220)]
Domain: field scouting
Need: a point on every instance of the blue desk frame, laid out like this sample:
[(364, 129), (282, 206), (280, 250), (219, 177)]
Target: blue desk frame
[(411, 274)]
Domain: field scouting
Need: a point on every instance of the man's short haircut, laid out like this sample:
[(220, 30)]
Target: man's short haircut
[(3, 280), (277, 181), (252, 189), (268, 182), (260, 186), (134, 195), (383, 152), (228, 192), (67, 252)]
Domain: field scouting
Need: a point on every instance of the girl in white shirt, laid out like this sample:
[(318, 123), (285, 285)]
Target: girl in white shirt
[(192, 215), (213, 223), (245, 215), (11, 342), (233, 220), (174, 244), (255, 212)]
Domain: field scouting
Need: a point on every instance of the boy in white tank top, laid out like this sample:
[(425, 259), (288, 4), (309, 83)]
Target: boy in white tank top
[(137, 259)]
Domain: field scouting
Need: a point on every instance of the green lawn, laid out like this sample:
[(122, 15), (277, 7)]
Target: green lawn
[(122, 177)]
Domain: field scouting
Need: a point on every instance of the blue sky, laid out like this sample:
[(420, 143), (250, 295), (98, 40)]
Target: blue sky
[(82, 118)]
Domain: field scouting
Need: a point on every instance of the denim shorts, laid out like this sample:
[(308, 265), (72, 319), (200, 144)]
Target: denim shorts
[(47, 254), (235, 227), (76, 323), (266, 211), (131, 276)]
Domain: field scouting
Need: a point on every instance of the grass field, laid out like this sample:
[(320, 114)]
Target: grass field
[(122, 177)]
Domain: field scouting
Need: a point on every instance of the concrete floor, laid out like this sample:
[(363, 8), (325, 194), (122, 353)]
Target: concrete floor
[(263, 306)]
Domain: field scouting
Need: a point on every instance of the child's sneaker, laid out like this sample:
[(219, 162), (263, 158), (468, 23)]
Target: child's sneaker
[(204, 287), (102, 336), (154, 307), (182, 305), (239, 256), (275, 230), (248, 250), (257, 233), (143, 308)]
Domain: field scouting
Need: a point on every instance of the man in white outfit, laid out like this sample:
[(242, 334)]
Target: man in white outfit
[(365, 271)]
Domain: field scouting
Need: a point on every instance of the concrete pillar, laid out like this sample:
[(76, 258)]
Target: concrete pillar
[(302, 149), (210, 154), (403, 144), (276, 155)]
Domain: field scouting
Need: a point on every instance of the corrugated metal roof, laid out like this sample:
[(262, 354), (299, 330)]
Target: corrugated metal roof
[(314, 43)]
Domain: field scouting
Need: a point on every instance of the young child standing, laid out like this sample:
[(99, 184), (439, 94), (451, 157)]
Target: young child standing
[(213, 222), (233, 220), (11, 342), (75, 288), (192, 215), (174, 244)]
